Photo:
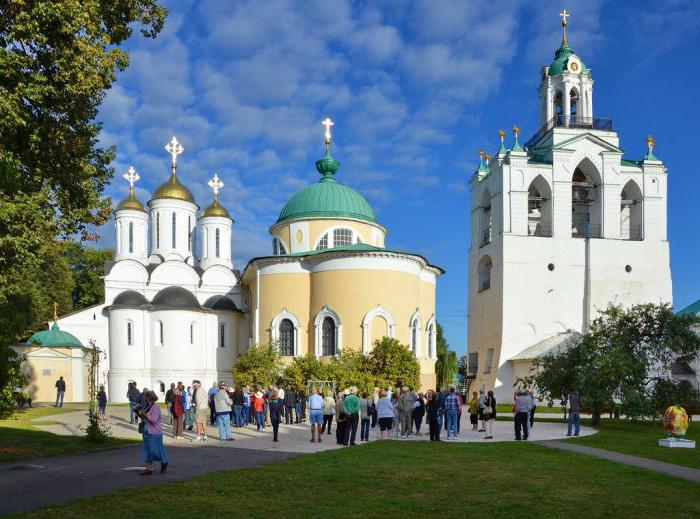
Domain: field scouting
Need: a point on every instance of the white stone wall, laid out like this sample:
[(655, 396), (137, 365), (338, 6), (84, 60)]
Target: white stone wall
[(162, 211), (139, 222), (209, 225)]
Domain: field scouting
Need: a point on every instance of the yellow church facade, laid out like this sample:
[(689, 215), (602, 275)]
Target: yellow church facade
[(331, 283)]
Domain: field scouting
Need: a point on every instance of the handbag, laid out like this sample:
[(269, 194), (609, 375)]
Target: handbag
[(488, 409)]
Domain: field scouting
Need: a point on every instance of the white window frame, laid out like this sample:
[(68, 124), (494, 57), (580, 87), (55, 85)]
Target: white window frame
[(318, 330), (378, 311), (331, 242), (431, 338), (278, 246), (415, 323), (275, 329)]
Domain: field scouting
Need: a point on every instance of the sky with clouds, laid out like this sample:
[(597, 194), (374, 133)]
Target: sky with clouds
[(415, 90)]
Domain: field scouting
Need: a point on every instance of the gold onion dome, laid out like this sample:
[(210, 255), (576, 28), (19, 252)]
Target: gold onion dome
[(215, 209), (131, 202), (173, 188)]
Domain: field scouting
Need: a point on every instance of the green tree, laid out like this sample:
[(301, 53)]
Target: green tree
[(353, 368), (87, 266), (446, 364), (392, 363), (305, 368), (58, 58), (11, 377), (627, 353), (260, 364)]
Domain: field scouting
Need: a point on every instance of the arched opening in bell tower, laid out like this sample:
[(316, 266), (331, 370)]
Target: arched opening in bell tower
[(631, 214), (586, 201), (573, 105), (539, 208), (485, 219)]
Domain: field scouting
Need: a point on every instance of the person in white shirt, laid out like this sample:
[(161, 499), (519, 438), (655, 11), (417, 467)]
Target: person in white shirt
[(280, 397), (316, 414)]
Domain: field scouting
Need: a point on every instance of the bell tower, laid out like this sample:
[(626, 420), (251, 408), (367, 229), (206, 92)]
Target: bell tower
[(566, 89)]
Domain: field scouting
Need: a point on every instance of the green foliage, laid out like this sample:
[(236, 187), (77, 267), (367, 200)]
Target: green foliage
[(446, 365), (87, 266), (671, 392), (97, 430), (623, 358), (393, 364), (259, 365), (389, 364), (11, 378)]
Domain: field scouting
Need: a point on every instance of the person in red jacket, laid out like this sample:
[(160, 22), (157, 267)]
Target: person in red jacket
[(177, 411)]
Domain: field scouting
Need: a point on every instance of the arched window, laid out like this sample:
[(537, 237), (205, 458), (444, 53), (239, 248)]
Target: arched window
[(414, 338), (586, 202), (129, 333), (342, 237), (159, 333), (573, 105), (286, 338), (539, 208), (131, 237), (484, 272), (558, 105), (278, 248), (485, 218), (222, 335), (631, 203), (323, 243), (431, 341), (174, 228), (328, 337), (216, 240), (157, 230)]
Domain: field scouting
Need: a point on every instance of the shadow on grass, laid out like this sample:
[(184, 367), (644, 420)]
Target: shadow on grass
[(20, 444)]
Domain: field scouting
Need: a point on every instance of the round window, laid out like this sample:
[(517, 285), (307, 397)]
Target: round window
[(628, 268), (550, 266)]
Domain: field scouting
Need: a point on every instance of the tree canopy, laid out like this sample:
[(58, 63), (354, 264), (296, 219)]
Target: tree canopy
[(446, 365), (625, 358)]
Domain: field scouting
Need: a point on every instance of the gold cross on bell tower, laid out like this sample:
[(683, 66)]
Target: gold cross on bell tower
[(328, 123), (564, 15)]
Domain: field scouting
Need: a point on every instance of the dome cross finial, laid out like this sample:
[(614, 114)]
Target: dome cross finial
[(175, 149), (215, 184), (131, 177), (327, 122), (564, 15)]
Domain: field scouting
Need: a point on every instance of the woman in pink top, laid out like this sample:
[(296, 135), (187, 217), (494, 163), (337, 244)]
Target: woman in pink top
[(152, 448)]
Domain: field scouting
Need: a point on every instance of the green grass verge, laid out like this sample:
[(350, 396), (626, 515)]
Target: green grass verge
[(20, 438), (541, 409), (409, 479), (641, 439)]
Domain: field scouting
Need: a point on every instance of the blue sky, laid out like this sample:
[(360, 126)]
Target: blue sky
[(415, 90)]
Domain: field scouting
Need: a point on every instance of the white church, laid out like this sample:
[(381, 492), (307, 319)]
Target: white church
[(167, 295), (560, 227)]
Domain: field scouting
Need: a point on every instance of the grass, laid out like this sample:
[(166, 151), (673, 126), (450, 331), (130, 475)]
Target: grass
[(20, 438), (641, 439), (409, 479), (541, 409)]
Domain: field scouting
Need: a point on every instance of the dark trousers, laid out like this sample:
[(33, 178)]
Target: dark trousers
[(275, 429), (340, 430), (327, 420), (212, 411), (418, 421), (532, 417), (364, 430), (289, 416), (521, 426), (350, 431), (434, 429)]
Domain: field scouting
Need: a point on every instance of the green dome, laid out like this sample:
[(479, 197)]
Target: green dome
[(54, 338), (561, 58), (327, 197)]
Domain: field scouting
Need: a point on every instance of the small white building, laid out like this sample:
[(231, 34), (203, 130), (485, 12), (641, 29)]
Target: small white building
[(560, 228)]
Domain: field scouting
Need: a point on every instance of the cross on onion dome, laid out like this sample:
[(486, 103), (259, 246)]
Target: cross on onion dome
[(131, 177), (328, 123), (215, 184), (174, 148)]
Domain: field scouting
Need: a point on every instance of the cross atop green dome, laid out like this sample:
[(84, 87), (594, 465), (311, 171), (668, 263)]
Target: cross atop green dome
[(327, 197), (54, 338)]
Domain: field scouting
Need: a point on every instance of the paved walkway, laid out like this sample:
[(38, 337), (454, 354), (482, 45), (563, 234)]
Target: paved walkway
[(47, 481), (686, 473)]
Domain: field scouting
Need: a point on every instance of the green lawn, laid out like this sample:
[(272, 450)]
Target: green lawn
[(22, 439), (541, 409), (641, 439), (409, 479)]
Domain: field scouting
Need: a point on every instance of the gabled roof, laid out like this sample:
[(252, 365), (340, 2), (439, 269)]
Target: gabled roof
[(590, 136), (691, 309), (552, 344)]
